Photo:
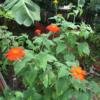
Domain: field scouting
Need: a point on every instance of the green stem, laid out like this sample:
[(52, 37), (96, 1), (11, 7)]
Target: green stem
[(5, 36), (53, 35), (5, 21), (56, 8), (74, 19)]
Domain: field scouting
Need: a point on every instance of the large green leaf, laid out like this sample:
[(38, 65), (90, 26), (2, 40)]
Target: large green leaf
[(60, 47), (80, 95), (18, 66), (69, 57), (66, 95), (29, 56), (61, 86), (94, 87), (86, 34), (83, 47), (81, 3), (63, 72), (48, 93), (51, 58), (44, 79), (30, 75), (23, 11), (42, 57), (51, 78), (30, 94)]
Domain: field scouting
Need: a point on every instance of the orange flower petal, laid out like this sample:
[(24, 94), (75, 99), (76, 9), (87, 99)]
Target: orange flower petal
[(11, 58), (72, 74), (81, 77), (73, 67), (79, 67), (83, 72), (71, 70), (76, 76)]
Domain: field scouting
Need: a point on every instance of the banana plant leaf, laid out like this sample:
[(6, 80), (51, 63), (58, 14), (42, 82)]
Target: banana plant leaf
[(24, 11)]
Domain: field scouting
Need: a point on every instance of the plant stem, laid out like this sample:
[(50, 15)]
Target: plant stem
[(5, 21), (56, 8), (5, 36)]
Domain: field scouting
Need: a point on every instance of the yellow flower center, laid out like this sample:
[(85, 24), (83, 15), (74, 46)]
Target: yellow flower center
[(37, 30), (55, 1), (15, 51), (78, 71), (53, 26)]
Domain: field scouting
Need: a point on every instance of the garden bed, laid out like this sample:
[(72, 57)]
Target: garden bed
[(9, 80), (13, 82)]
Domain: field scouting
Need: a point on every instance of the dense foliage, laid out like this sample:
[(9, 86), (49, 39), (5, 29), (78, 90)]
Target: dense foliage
[(48, 63)]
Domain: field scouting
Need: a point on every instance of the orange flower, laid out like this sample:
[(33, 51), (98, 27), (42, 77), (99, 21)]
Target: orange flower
[(59, 14), (53, 28), (78, 72), (37, 31), (15, 53)]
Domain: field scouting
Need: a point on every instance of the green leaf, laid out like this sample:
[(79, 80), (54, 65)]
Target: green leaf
[(83, 47), (54, 95), (42, 57), (7, 92), (76, 12), (48, 66), (94, 87), (66, 95), (60, 47), (44, 79), (48, 43), (81, 3), (29, 56), (24, 11), (83, 85), (69, 14), (4, 27), (75, 83), (48, 93), (30, 75), (51, 58), (72, 40), (15, 44), (51, 78), (18, 67), (38, 40), (4, 48), (66, 24), (30, 44), (19, 94), (30, 94), (61, 86), (86, 34), (63, 72), (25, 81), (2, 98), (80, 95), (74, 63), (81, 11), (69, 57)]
